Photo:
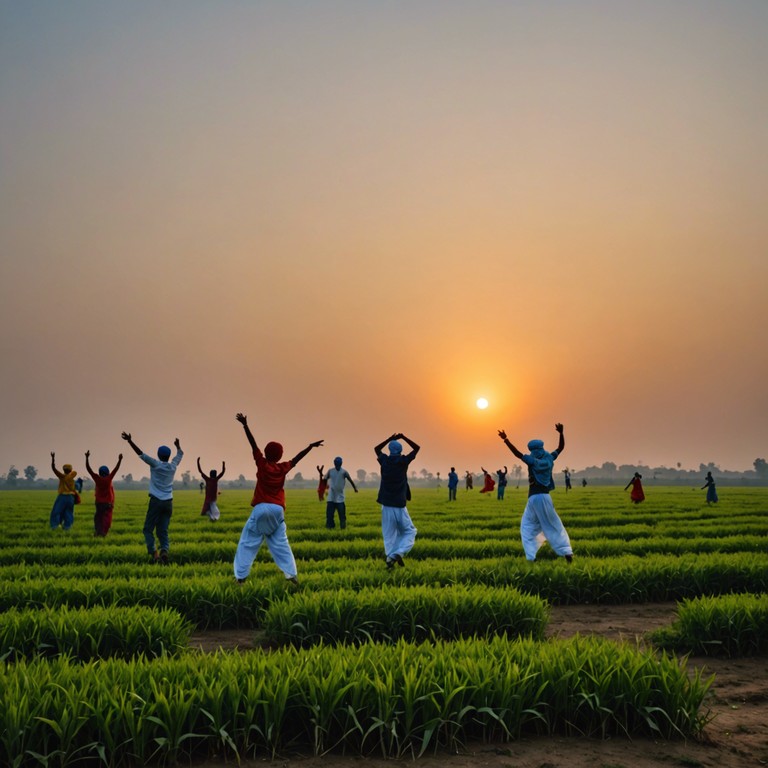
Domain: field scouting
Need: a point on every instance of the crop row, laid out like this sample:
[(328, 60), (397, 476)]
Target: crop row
[(401, 699)]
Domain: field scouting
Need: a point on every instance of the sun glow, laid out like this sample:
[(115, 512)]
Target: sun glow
[(482, 403)]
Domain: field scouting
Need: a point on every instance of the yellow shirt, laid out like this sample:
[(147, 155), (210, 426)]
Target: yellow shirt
[(67, 482)]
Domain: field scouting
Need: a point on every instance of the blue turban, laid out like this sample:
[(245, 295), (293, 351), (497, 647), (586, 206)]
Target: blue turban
[(163, 453), (337, 462), (104, 471), (540, 463), (395, 449)]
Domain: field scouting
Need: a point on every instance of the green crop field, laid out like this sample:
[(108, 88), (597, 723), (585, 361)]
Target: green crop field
[(361, 659)]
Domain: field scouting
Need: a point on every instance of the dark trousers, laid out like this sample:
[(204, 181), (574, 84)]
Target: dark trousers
[(330, 508), (157, 520)]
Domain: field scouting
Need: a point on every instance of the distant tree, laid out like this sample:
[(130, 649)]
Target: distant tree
[(609, 468), (298, 478), (186, 478), (761, 467), (127, 479), (518, 470), (30, 473), (240, 481), (361, 473), (13, 476)]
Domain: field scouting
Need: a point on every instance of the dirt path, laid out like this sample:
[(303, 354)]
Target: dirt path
[(736, 738)]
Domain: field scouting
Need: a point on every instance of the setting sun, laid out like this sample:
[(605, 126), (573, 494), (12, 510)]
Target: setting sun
[(482, 403)]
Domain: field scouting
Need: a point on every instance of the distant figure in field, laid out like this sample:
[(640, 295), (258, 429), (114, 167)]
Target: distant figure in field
[(322, 485), (567, 481), (469, 481), (637, 494), (336, 479), (202, 486), (267, 520), (397, 528), (211, 501), (104, 494), (160, 508), (711, 489), (540, 521), (501, 484), (488, 482), (583, 482), (79, 485), (63, 510), (453, 484)]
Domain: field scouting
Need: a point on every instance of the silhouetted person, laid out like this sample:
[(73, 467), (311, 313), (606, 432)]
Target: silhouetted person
[(501, 482), (637, 494), (488, 482), (469, 481), (211, 501), (711, 489), (322, 485), (453, 484)]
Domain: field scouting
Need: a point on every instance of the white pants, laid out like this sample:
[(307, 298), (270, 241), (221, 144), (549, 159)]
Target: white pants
[(541, 523), (398, 531), (213, 511), (267, 522)]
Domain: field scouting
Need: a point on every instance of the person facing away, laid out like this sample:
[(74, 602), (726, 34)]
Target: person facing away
[(63, 510), (322, 483), (453, 484), (103, 495), (336, 479), (709, 484), (488, 482), (267, 519), (160, 508), (540, 521), (637, 494), (567, 481), (501, 484), (211, 501), (469, 481), (397, 528)]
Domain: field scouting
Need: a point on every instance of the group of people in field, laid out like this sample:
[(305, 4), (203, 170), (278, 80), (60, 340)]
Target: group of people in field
[(266, 523)]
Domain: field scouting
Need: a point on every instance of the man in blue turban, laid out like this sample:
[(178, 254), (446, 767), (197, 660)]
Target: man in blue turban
[(540, 521), (397, 528)]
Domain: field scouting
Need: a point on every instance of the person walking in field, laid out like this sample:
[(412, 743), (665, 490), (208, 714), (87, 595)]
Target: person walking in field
[(453, 484), (322, 483), (336, 479), (711, 489), (501, 482), (540, 521), (637, 495), (397, 528), (267, 519), (104, 494), (211, 501), (488, 482), (160, 508), (63, 510)]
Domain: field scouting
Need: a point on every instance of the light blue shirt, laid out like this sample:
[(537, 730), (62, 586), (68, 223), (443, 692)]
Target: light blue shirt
[(161, 475)]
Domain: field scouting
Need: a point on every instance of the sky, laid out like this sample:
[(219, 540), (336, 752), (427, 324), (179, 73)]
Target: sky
[(350, 219)]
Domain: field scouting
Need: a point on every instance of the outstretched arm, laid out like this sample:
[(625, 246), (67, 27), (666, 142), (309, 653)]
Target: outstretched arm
[(503, 436), (351, 482), (320, 469), (127, 437), (301, 454), (243, 419), (53, 465), (414, 447), (627, 485), (380, 447), (223, 469), (200, 470), (561, 444), (117, 466), (88, 463)]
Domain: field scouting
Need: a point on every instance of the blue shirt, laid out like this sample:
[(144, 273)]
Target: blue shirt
[(453, 480), (161, 475), (393, 490)]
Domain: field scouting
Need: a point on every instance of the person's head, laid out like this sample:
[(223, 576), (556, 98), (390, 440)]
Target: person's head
[(103, 470), (453, 469), (638, 475), (337, 462), (212, 473), (67, 468), (535, 445), (163, 453), (395, 448), (273, 451)]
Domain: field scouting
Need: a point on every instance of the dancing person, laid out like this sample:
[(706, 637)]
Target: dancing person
[(211, 501), (488, 482), (469, 481), (501, 484), (637, 494), (453, 484), (63, 510), (336, 478), (540, 521), (322, 485), (103, 495), (711, 489), (160, 508), (267, 519), (397, 528)]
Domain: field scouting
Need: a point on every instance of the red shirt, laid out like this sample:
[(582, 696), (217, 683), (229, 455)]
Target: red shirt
[(270, 479), (104, 493), (211, 489)]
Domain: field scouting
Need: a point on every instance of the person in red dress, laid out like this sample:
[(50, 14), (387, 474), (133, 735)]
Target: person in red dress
[(488, 482), (637, 494), (104, 495), (322, 485), (210, 503)]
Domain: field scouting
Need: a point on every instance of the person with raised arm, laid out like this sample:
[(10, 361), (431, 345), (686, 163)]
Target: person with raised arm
[(540, 521), (63, 510), (397, 528), (104, 494), (267, 519), (211, 501), (160, 508)]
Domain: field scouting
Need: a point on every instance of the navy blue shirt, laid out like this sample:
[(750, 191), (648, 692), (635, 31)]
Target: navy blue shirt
[(393, 491)]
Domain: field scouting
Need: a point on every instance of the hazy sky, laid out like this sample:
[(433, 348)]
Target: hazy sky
[(347, 219)]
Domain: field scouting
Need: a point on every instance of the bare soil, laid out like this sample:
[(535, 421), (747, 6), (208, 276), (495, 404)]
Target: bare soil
[(737, 736)]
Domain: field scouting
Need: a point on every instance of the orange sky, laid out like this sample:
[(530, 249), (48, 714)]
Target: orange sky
[(348, 219)]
